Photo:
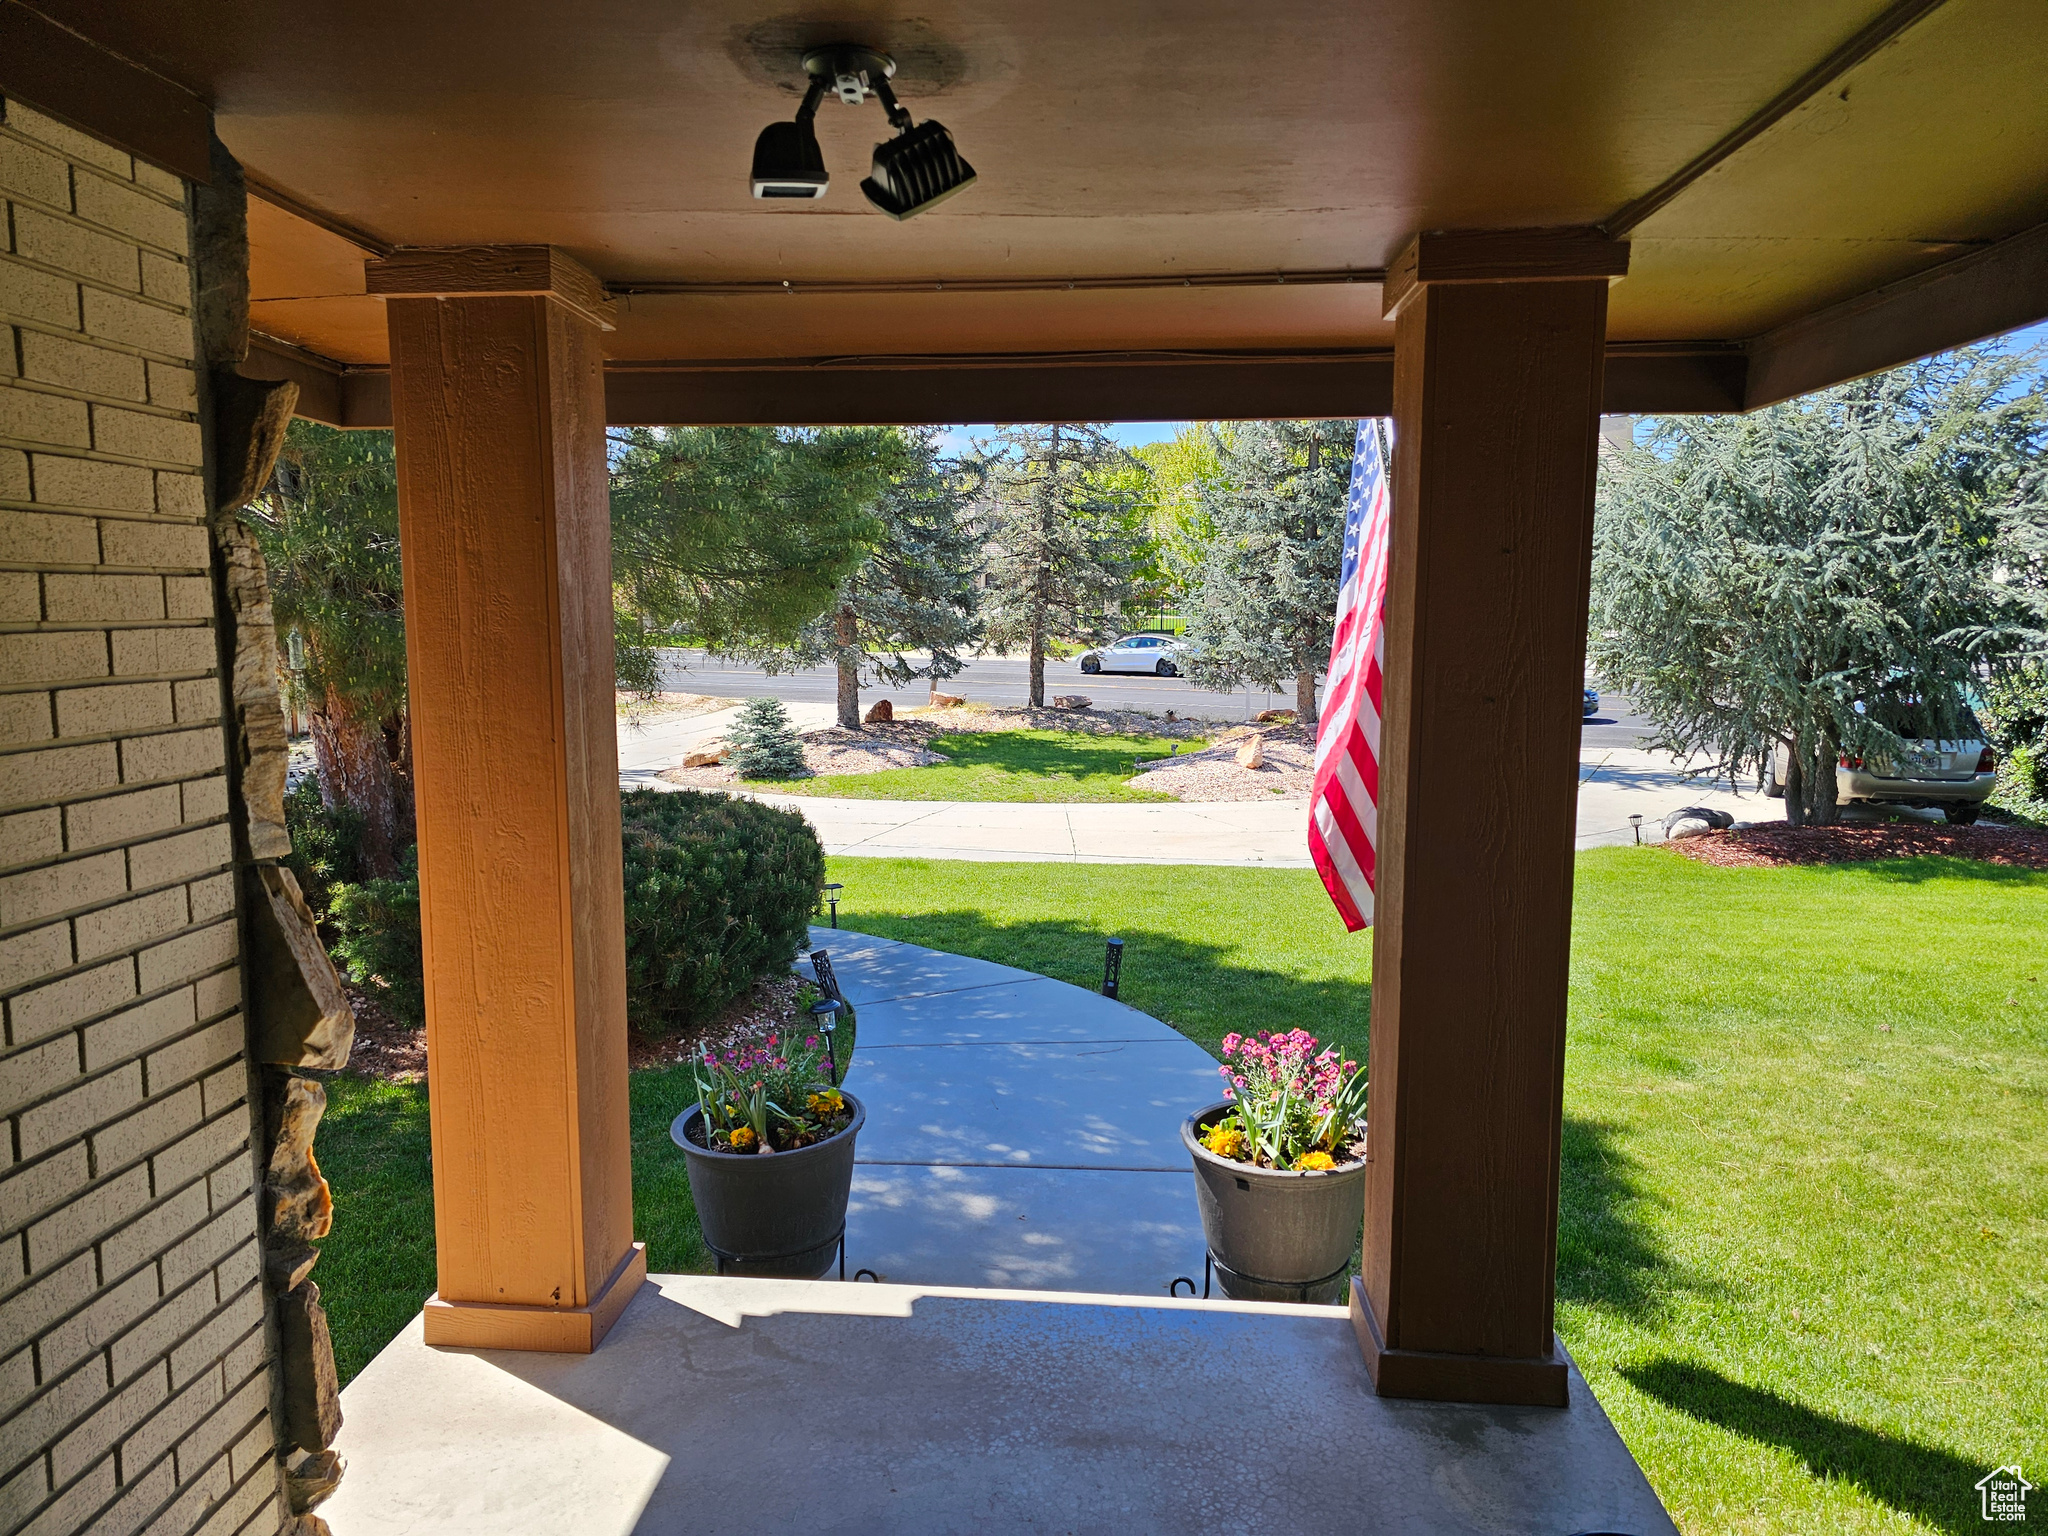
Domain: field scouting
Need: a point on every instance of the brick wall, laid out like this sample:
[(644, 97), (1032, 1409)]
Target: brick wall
[(134, 1379)]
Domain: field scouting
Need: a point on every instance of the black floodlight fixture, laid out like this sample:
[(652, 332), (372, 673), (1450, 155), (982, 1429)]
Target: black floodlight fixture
[(917, 169), (787, 160)]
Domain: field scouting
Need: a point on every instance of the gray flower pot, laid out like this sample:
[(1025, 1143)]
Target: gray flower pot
[(774, 1214), (1275, 1236)]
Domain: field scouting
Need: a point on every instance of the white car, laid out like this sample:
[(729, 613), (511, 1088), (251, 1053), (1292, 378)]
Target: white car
[(1955, 777), (1154, 653)]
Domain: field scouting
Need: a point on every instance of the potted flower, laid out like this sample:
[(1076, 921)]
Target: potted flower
[(1280, 1168), (769, 1146)]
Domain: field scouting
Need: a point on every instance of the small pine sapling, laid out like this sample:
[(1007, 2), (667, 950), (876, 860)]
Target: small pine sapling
[(762, 744)]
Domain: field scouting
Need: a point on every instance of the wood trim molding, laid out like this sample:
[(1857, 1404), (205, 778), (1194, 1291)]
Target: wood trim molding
[(1501, 256), (76, 81), (550, 1330), (1540, 1383), (477, 271)]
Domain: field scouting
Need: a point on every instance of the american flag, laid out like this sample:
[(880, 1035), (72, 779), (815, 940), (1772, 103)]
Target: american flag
[(1343, 825)]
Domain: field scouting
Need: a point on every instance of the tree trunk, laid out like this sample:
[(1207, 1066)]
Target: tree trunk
[(1305, 698), (1795, 784), (1822, 808), (354, 768), (1037, 661), (848, 635)]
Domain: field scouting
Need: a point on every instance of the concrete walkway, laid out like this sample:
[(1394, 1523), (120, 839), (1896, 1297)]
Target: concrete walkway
[(1021, 1132)]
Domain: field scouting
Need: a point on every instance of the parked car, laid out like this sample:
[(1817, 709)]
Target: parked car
[(1954, 776), (1591, 705), (1154, 653)]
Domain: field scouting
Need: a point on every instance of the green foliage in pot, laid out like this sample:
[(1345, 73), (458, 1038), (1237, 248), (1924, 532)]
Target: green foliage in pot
[(719, 892)]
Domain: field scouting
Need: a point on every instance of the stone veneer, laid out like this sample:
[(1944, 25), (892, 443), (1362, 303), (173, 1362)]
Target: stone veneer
[(135, 1380)]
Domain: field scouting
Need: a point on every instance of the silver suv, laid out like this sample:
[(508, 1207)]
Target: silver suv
[(1952, 776)]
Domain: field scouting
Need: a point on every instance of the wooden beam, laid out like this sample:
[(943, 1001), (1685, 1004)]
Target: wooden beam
[(334, 394), (98, 92), (1497, 395), (1700, 379), (1501, 256), (1983, 294), (505, 530), (475, 271)]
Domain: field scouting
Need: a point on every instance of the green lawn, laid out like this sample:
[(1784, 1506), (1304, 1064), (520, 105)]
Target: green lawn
[(1064, 766), (1803, 1259)]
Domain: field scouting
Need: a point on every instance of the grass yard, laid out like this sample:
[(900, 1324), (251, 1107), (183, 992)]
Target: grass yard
[(1049, 766), (1803, 1257)]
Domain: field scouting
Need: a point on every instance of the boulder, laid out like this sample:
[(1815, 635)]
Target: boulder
[(310, 1476), (311, 1390), (1071, 701), (298, 1206), (1696, 821), (946, 700), (880, 713), (1276, 717), (1251, 753), (710, 757), (299, 1015)]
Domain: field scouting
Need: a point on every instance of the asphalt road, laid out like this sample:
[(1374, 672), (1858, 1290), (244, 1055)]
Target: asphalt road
[(1003, 680)]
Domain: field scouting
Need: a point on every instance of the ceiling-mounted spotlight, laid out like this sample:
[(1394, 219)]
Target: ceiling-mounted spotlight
[(913, 171)]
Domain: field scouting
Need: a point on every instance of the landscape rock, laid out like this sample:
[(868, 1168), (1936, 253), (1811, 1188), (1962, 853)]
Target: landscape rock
[(310, 1476), (710, 757), (312, 1391), (882, 710), (1252, 754), (1071, 701), (1696, 820), (260, 743), (298, 1206), (286, 1264), (1275, 717), (299, 1015), (946, 700)]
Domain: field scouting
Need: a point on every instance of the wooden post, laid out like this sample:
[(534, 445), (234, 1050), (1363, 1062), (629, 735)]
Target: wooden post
[(498, 404), (1497, 377)]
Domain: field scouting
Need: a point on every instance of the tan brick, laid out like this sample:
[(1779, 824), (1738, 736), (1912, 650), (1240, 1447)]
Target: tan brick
[(82, 366), (212, 897), (9, 366), (29, 415), (114, 317), (61, 888), (143, 435), (68, 142), (200, 1053), (13, 475), (149, 652), (185, 957), (34, 1073), (85, 1220), (180, 495), (257, 1447), (62, 482), (71, 598), (61, 1004), (32, 1429), (173, 386), (121, 818), (144, 920), (26, 171), (35, 1189), (25, 719), (205, 799), (74, 249), (203, 1151), (141, 1028), (178, 755), (203, 1350), (211, 1244), (155, 1125), (29, 294), (22, 1492), (243, 1265), (226, 1425), (31, 956), (48, 538), (21, 597), (115, 708), (168, 279), (168, 546), (114, 1418), (182, 1515), (30, 1311), (29, 836), (150, 1234), (17, 1381), (141, 1494), (225, 1088), (179, 1313), (56, 773), (57, 657), (217, 994), (230, 1182), (92, 1103), (134, 213), (163, 183), (188, 597), (179, 1415), (197, 700), (180, 858)]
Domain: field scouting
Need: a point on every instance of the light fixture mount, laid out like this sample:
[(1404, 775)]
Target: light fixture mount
[(849, 69)]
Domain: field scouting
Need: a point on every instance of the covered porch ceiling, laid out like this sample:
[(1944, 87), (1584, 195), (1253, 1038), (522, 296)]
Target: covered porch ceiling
[(1178, 206)]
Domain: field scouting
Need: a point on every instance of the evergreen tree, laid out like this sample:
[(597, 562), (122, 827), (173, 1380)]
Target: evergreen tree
[(1066, 534), (762, 744), (1790, 578), (915, 592), (1261, 589), (328, 528)]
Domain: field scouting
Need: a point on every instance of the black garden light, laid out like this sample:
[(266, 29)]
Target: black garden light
[(1112, 967), (918, 168), (831, 893)]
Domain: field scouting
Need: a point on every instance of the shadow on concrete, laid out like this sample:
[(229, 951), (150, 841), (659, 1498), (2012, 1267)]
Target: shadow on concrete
[(1921, 1481), (1607, 1255)]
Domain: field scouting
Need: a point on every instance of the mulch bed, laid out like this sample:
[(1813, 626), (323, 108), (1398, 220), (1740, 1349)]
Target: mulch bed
[(1773, 846)]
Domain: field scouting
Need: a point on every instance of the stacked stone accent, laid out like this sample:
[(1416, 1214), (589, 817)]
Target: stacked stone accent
[(136, 1385)]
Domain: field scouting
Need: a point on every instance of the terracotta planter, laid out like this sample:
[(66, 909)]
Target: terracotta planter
[(775, 1214), (1275, 1236)]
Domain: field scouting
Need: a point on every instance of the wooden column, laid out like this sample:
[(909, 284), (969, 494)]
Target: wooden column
[(498, 404), (1497, 377)]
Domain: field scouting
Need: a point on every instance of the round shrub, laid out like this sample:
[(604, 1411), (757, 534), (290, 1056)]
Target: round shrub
[(719, 892)]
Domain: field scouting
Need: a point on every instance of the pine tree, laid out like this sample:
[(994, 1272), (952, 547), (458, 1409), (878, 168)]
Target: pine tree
[(1261, 590), (916, 592), (1067, 540), (1791, 577), (762, 744)]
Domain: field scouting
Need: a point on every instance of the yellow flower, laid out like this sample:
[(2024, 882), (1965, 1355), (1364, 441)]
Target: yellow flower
[(743, 1138), (1314, 1162), (826, 1103), (1225, 1141)]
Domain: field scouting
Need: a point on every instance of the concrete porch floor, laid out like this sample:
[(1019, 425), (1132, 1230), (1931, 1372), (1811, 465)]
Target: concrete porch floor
[(815, 1407)]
